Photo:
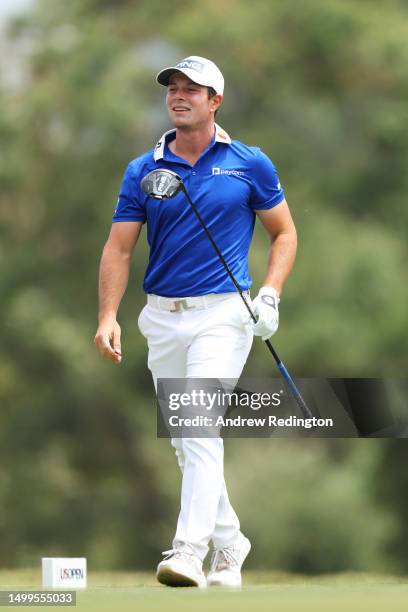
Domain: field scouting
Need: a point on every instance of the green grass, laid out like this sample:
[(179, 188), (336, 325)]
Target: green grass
[(123, 592)]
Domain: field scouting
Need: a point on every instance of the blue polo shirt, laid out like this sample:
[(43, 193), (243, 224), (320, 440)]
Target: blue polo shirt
[(227, 184)]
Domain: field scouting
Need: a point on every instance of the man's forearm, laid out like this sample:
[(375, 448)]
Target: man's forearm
[(113, 279), (282, 256)]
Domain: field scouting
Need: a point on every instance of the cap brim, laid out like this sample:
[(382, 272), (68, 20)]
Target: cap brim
[(165, 74)]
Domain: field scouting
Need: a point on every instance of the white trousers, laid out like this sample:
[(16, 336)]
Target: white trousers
[(211, 342)]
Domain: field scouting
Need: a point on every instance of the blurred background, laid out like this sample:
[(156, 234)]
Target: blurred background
[(322, 87)]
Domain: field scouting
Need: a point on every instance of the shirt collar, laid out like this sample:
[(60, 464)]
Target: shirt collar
[(220, 136)]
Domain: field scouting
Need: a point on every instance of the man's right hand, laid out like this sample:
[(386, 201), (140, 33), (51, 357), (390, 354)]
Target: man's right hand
[(107, 339)]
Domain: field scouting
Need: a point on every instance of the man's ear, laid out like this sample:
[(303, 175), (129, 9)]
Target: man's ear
[(215, 102)]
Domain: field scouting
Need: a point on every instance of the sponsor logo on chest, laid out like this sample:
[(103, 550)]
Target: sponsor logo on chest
[(218, 171)]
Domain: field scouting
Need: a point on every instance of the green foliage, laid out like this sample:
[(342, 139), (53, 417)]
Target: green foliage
[(320, 86), (390, 488), (310, 509)]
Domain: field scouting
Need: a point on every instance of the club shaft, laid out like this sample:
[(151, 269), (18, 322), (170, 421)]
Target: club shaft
[(281, 367), (291, 384), (220, 255)]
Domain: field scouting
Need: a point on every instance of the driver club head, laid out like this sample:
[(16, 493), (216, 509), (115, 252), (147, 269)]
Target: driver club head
[(161, 184)]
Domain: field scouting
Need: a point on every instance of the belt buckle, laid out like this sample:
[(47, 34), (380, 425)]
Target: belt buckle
[(180, 305)]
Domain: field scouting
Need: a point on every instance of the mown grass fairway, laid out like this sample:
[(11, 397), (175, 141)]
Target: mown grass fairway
[(123, 592)]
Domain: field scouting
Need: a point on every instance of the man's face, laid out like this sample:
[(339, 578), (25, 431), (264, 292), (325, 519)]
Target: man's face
[(188, 104)]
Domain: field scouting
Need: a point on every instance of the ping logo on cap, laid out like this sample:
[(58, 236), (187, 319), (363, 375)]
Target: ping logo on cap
[(192, 64)]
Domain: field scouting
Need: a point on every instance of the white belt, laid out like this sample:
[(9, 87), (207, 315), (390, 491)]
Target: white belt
[(187, 303)]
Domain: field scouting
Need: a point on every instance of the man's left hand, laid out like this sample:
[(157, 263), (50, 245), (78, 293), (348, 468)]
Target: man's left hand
[(265, 308)]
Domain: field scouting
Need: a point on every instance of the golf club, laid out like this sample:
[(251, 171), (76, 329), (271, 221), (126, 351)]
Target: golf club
[(163, 184)]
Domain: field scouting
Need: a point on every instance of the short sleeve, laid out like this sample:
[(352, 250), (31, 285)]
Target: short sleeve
[(130, 206), (266, 188)]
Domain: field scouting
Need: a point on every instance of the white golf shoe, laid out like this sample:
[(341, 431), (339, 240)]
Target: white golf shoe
[(226, 564), (181, 567)]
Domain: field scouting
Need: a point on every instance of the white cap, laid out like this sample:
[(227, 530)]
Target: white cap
[(199, 69)]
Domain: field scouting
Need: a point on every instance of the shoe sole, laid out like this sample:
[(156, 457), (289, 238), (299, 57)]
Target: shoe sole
[(216, 583), (171, 578)]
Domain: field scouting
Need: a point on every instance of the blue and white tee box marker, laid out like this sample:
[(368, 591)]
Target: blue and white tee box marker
[(229, 180), (64, 573)]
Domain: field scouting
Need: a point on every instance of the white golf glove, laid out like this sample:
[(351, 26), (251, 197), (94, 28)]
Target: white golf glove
[(265, 308)]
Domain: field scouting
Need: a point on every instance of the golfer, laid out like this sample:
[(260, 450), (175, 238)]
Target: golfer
[(195, 322)]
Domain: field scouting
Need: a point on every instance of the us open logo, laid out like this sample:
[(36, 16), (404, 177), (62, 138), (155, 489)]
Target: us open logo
[(72, 573)]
